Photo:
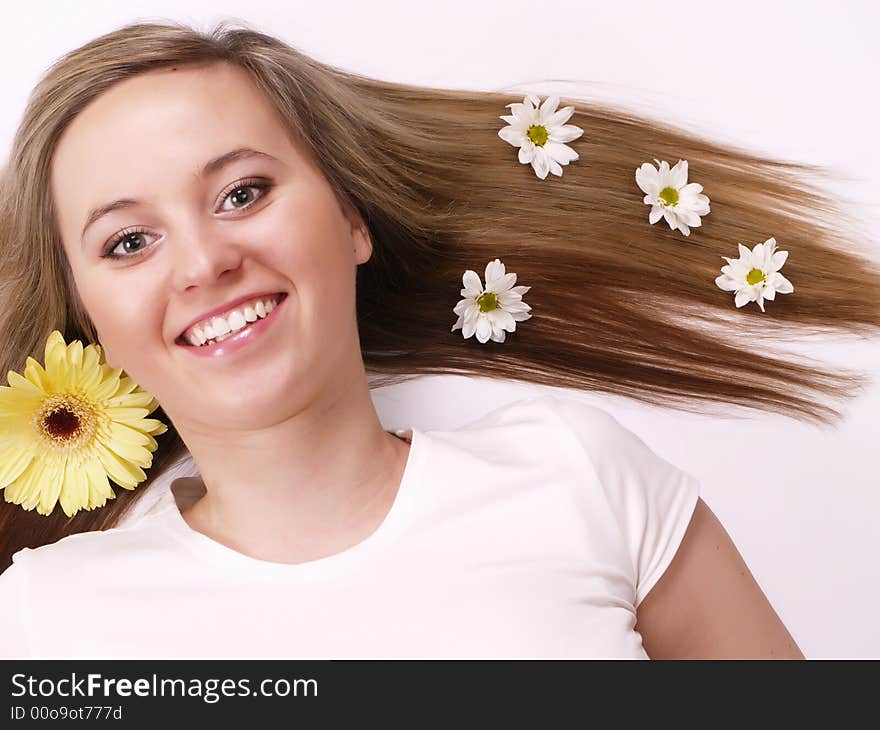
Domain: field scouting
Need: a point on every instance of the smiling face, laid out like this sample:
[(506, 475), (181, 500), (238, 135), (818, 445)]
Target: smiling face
[(198, 239)]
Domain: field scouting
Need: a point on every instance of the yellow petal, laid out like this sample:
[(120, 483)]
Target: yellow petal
[(108, 386), (34, 372), (151, 444), (123, 434), (14, 459), (126, 385), (153, 426), (75, 488), (75, 359), (38, 486), (19, 402), (99, 487), (18, 381), (91, 369), (125, 413), (56, 363), (135, 455), (121, 471), (51, 484), (141, 399)]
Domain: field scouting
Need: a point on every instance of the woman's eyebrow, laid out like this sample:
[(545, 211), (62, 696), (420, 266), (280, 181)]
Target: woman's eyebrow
[(209, 168)]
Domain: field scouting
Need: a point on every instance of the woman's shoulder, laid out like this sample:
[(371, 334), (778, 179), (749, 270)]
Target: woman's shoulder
[(537, 435), (562, 432), (67, 555), (536, 420), (586, 427)]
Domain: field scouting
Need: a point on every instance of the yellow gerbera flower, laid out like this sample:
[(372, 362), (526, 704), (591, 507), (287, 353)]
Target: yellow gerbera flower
[(66, 429)]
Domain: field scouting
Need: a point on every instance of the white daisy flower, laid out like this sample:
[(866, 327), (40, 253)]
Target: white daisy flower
[(755, 274), (672, 197), (541, 134), (489, 312)]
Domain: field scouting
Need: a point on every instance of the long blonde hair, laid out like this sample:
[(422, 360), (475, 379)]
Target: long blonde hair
[(618, 305)]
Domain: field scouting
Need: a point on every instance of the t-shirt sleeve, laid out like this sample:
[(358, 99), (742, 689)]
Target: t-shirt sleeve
[(13, 635), (652, 499)]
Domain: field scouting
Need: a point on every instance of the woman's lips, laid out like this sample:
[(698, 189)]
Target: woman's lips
[(239, 339)]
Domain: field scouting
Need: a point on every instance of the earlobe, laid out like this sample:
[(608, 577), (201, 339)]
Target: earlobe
[(363, 244), (360, 232)]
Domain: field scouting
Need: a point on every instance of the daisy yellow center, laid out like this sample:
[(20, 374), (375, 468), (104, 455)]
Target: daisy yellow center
[(538, 134), (65, 421), (669, 196), (487, 301), (755, 276)]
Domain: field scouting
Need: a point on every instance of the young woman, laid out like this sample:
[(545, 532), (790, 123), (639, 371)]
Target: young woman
[(162, 178)]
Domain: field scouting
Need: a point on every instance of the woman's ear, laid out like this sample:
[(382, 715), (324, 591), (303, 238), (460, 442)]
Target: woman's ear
[(361, 237)]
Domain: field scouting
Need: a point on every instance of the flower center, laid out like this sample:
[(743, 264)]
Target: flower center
[(538, 134), (65, 421), (669, 196), (487, 301), (755, 276)]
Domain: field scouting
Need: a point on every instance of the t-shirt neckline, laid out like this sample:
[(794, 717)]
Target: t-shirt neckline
[(349, 559)]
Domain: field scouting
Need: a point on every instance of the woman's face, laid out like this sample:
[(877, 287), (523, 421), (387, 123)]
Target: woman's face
[(196, 240)]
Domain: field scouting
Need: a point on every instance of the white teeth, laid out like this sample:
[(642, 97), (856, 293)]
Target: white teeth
[(236, 321), (219, 328)]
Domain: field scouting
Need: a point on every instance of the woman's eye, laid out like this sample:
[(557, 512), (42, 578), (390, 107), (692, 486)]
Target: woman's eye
[(120, 240), (239, 195)]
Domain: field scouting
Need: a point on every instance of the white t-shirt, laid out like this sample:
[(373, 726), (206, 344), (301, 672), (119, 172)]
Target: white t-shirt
[(534, 531)]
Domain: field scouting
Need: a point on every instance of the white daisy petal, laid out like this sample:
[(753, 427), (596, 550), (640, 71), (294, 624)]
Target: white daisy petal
[(558, 118), (541, 163), (778, 259), (782, 285), (679, 174), (742, 298), (501, 300), (566, 133), (503, 319), (562, 153), (683, 205), (484, 329), (494, 270), (726, 283), (503, 284), (648, 179), (735, 275), (472, 284), (691, 189), (544, 147), (549, 107), (513, 136)]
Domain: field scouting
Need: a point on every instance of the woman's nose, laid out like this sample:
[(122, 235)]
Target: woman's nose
[(201, 258)]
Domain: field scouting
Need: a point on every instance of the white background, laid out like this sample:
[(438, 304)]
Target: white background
[(794, 80)]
